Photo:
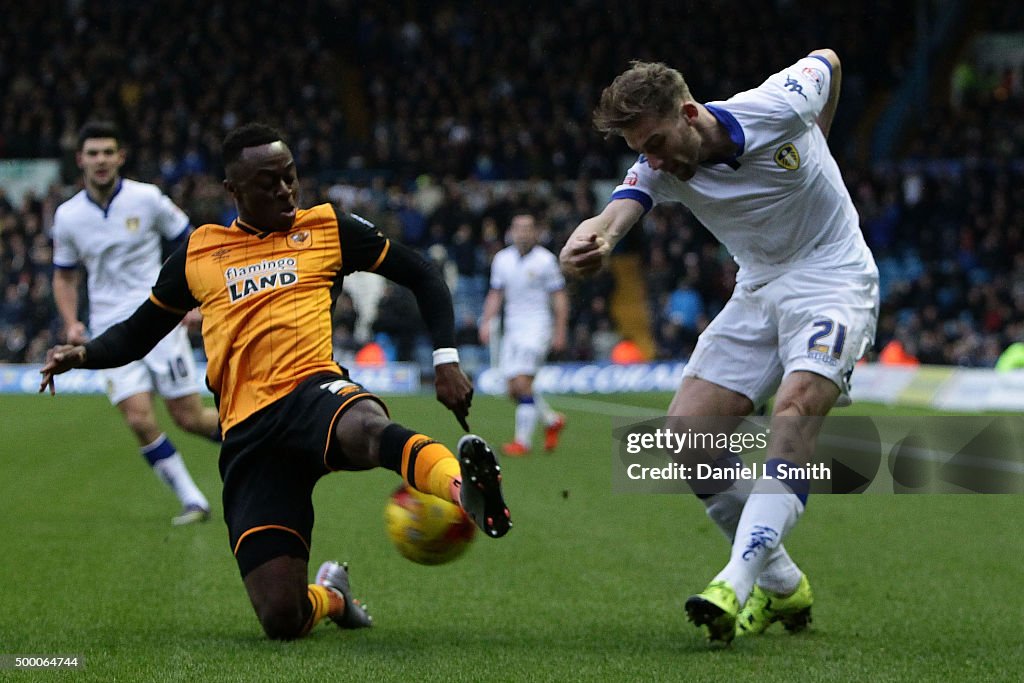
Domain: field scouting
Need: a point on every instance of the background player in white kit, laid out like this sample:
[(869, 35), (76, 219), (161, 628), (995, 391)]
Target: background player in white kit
[(757, 172), (526, 278), (114, 228)]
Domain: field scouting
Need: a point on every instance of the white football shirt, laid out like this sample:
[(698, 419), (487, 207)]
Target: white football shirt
[(527, 282), (781, 201), (119, 247)]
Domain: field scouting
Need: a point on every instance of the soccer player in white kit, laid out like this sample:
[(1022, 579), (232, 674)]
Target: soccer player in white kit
[(114, 227), (757, 172), (526, 278)]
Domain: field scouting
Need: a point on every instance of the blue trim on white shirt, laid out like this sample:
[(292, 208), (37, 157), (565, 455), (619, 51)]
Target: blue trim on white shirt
[(733, 126), (106, 211), (60, 266), (826, 62), (635, 195)]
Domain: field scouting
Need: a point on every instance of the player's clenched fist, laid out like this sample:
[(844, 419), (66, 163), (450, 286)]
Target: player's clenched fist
[(584, 254)]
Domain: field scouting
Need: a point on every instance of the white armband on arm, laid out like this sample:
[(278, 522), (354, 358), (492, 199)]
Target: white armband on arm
[(447, 355)]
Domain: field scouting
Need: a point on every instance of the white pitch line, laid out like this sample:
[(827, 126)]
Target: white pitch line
[(589, 405)]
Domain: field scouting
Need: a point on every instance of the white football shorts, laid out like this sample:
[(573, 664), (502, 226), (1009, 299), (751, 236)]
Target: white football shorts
[(523, 354), (169, 368), (815, 320)]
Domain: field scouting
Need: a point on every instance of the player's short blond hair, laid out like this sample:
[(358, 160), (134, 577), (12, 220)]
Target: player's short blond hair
[(646, 88)]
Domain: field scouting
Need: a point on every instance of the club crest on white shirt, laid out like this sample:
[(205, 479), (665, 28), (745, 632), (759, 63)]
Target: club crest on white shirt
[(132, 223), (788, 157)]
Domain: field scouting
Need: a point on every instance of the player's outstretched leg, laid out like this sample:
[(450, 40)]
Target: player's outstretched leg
[(169, 466), (481, 495), (471, 480), (715, 610), (764, 608), (334, 577)]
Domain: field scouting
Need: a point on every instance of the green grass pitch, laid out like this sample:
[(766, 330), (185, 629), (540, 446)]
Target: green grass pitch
[(588, 586)]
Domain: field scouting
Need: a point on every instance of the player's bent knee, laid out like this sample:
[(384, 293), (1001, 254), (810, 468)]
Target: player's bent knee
[(277, 590), (190, 422), (144, 426), (358, 433), (190, 415), (282, 618), (805, 394), (520, 387)]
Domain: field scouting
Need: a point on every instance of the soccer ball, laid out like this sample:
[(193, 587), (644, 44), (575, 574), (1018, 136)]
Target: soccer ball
[(426, 529)]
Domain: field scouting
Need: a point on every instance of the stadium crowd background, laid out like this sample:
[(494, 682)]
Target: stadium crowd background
[(438, 120)]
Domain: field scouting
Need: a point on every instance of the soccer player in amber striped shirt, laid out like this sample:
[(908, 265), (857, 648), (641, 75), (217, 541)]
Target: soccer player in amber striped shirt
[(266, 286)]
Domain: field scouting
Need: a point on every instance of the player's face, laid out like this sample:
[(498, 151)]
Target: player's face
[(265, 186), (100, 160), (670, 143), (523, 233)]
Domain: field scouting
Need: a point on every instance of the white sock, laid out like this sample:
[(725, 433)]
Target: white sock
[(780, 573), (526, 420), (173, 472), (547, 415), (170, 468), (772, 509)]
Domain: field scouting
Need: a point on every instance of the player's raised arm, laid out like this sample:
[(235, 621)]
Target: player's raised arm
[(829, 112), (123, 343), (587, 248)]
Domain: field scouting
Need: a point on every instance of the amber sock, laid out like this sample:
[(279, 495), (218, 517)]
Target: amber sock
[(425, 465), (325, 602)]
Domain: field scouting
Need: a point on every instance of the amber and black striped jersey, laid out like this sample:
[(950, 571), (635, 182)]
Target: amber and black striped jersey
[(266, 300)]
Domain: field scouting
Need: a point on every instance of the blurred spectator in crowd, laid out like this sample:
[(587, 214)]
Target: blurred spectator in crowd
[(399, 322)]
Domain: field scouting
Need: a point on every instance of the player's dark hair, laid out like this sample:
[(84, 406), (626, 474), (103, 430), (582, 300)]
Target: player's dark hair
[(98, 129), (647, 88), (248, 135)]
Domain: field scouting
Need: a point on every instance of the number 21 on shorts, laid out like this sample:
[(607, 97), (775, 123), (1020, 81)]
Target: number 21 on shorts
[(823, 342)]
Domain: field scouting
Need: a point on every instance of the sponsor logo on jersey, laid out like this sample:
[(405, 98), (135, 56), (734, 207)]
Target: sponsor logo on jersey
[(631, 179), (300, 239), (815, 76), (131, 224), (244, 281), (788, 157), (793, 85)]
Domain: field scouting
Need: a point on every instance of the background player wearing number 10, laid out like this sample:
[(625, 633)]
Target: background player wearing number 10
[(115, 227)]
